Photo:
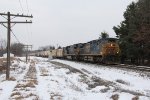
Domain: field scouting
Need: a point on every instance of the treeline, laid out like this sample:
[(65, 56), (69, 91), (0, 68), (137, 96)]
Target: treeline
[(16, 48), (49, 47), (134, 33), (44, 48)]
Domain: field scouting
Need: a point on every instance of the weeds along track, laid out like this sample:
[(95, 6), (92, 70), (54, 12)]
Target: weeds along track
[(25, 88), (31, 74)]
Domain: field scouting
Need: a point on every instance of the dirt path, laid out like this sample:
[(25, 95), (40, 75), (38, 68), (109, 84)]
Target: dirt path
[(43, 81), (26, 88)]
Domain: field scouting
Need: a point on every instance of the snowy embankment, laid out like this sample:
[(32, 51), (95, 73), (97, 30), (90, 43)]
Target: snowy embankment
[(41, 79), (127, 83)]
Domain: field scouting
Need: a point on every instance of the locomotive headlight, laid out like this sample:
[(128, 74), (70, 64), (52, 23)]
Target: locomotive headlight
[(101, 53), (111, 44)]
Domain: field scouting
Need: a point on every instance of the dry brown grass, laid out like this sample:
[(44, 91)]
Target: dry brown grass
[(19, 85), (2, 68), (32, 63), (30, 84), (12, 79), (23, 89), (135, 98), (25, 85), (3, 63), (55, 96), (15, 93), (44, 72), (19, 98), (5, 59), (115, 97), (32, 95), (31, 74), (34, 81)]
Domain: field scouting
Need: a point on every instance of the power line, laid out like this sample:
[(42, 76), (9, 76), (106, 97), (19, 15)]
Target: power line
[(9, 15), (15, 36), (27, 28), (27, 6), (21, 6), (0, 36)]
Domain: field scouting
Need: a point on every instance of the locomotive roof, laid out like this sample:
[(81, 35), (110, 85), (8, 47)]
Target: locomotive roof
[(93, 41), (102, 39)]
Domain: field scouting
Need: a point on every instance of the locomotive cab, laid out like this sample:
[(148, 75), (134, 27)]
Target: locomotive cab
[(110, 50)]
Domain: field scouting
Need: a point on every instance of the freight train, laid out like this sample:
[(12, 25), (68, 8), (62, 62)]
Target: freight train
[(103, 50)]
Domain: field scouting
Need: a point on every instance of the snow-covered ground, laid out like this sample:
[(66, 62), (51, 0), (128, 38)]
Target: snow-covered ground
[(41, 79)]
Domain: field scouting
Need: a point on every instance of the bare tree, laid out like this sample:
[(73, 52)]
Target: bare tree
[(2, 46), (44, 48), (17, 49)]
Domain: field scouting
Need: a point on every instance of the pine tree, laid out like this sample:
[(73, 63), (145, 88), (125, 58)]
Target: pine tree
[(134, 32), (125, 32), (104, 35)]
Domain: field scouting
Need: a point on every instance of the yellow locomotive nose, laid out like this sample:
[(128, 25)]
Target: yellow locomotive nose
[(111, 49), (111, 45)]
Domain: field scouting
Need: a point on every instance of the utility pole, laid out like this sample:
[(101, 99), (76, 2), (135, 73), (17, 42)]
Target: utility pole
[(27, 49), (8, 16)]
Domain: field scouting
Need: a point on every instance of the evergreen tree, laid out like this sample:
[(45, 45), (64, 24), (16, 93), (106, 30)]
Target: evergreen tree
[(125, 32), (142, 38), (134, 32), (104, 35)]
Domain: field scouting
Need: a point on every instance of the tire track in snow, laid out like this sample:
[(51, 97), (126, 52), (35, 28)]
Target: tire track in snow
[(42, 86)]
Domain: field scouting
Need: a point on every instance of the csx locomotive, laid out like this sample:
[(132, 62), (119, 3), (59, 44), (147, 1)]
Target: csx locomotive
[(103, 50)]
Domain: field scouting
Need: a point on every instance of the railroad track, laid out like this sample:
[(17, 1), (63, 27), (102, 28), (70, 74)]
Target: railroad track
[(133, 67), (140, 68)]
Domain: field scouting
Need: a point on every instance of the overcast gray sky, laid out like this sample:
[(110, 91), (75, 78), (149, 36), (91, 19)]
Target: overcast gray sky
[(63, 22)]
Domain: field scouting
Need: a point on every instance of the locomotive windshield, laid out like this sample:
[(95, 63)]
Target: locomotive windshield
[(112, 40)]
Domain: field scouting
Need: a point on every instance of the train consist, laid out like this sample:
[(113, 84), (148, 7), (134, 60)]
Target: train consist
[(100, 50)]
